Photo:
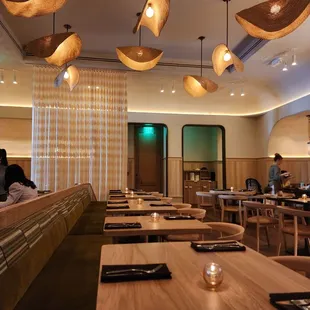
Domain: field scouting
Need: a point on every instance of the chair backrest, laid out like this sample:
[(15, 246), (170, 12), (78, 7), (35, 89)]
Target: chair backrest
[(206, 198), (166, 199), (292, 212), (253, 185), (199, 214), (223, 199), (254, 205), (296, 263), (233, 231), (179, 205)]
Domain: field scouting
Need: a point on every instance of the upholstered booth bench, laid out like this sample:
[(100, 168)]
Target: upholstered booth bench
[(30, 233)]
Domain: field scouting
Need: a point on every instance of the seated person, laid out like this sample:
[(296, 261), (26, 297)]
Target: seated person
[(18, 187)]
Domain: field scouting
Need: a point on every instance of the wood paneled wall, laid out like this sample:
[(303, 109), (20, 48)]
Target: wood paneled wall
[(25, 163), (175, 177)]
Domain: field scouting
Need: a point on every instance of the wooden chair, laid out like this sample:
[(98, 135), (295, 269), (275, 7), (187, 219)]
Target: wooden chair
[(179, 205), (232, 231), (261, 218), (226, 207), (166, 199), (206, 201), (157, 194), (199, 214), (300, 264), (301, 230)]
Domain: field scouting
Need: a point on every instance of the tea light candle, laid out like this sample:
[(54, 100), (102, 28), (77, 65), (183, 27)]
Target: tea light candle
[(140, 201), (155, 217), (231, 189), (304, 197), (126, 190), (213, 275), (132, 193)]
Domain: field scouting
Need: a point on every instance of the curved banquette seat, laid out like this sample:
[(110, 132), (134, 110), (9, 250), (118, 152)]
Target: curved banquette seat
[(30, 232)]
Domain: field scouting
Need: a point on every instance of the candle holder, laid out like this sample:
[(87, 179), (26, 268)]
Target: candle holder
[(231, 189), (213, 275), (155, 217), (132, 193), (304, 197), (140, 201), (126, 190)]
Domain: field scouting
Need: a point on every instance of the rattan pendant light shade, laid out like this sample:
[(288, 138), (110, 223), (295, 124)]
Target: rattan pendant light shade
[(220, 64), (198, 86), (139, 58), (154, 16), (72, 79), (30, 8), (274, 19), (57, 49), (222, 56)]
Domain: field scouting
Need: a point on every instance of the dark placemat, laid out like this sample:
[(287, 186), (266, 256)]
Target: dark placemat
[(289, 301), (117, 196), (122, 225), (179, 217), (160, 205), (162, 274), (117, 207), (233, 246), (115, 191), (143, 194), (152, 199), (112, 202)]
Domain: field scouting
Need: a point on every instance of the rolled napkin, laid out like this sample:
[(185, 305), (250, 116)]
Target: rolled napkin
[(125, 273), (163, 204), (179, 217), (117, 207), (287, 301), (115, 202), (122, 225), (229, 246)]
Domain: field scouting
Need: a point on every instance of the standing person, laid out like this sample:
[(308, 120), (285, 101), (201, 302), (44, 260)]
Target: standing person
[(3, 165), (18, 187), (275, 176)]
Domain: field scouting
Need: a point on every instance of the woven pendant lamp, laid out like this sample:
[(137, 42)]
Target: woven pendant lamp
[(198, 86), (30, 8), (70, 74), (274, 19), (139, 58), (154, 16), (222, 56), (57, 49)]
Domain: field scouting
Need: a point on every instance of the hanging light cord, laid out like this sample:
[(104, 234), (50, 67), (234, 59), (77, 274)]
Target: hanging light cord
[(54, 22), (227, 28), (201, 58), (140, 36)]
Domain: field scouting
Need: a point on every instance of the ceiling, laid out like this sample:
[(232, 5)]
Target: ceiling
[(107, 24)]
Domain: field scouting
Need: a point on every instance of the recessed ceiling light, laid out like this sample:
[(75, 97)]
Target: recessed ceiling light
[(285, 68)]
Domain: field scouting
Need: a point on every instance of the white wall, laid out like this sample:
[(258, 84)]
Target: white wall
[(240, 131), (266, 123)]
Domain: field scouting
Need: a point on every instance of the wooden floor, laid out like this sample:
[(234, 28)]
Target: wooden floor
[(250, 238)]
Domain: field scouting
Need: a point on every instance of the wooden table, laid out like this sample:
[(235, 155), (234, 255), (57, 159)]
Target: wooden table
[(149, 228), (143, 209), (228, 192), (249, 277)]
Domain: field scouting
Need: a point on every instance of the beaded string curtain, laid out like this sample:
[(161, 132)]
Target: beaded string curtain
[(80, 136)]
